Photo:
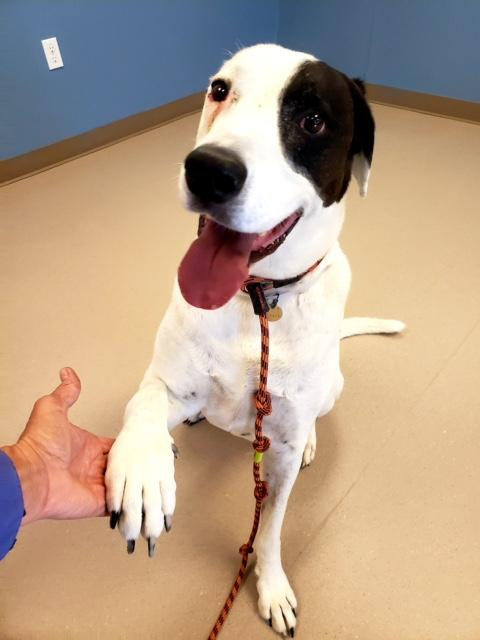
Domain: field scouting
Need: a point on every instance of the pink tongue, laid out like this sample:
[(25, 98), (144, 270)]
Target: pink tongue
[(215, 266)]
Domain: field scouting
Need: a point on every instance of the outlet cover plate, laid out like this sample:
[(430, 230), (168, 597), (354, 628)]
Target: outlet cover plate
[(52, 53)]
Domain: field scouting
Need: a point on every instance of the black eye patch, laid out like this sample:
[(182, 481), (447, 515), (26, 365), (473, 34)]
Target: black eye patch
[(316, 127)]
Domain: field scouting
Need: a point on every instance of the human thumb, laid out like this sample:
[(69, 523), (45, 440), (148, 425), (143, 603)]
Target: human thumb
[(69, 389)]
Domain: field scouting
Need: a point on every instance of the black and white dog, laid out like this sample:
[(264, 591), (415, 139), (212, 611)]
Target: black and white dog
[(280, 135)]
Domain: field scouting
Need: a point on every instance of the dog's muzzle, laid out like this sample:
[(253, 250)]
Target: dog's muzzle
[(214, 174)]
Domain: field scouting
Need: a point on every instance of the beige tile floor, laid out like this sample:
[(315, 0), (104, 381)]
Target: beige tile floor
[(382, 536)]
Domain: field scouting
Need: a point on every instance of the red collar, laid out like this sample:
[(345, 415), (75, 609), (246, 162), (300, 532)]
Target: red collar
[(256, 286)]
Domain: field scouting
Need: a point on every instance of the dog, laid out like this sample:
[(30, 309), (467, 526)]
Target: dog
[(280, 135)]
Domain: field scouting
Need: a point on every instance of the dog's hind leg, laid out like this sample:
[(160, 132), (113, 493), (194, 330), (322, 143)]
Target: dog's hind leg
[(277, 601)]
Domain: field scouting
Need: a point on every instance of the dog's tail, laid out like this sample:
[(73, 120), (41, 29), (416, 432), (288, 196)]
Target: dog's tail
[(361, 326)]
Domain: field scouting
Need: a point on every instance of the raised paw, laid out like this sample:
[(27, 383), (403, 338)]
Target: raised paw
[(277, 604), (141, 487), (310, 449)]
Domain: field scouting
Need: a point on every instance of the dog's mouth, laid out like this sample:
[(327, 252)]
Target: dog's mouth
[(216, 264), (268, 242)]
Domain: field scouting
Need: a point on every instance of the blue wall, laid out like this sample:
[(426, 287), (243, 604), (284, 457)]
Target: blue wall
[(126, 56), (121, 57), (431, 46)]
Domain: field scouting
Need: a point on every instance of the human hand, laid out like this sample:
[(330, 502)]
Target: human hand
[(61, 467)]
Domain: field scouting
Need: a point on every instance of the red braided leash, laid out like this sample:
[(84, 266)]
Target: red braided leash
[(263, 405), (256, 288)]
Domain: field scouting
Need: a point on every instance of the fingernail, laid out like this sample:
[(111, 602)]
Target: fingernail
[(151, 547), (130, 546), (64, 373), (114, 518), (168, 523)]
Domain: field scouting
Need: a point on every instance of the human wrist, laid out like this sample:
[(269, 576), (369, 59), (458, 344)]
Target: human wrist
[(33, 476)]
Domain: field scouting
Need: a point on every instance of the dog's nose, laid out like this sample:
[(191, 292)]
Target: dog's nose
[(214, 174)]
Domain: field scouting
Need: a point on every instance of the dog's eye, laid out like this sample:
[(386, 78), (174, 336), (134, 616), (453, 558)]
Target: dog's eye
[(313, 124), (219, 90)]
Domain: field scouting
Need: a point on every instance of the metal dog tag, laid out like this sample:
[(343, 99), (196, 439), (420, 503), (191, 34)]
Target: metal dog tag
[(274, 314)]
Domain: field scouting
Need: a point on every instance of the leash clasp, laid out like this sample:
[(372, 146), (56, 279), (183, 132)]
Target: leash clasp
[(257, 296)]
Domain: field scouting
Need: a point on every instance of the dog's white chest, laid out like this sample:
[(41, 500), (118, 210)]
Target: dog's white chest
[(304, 377), (298, 395), (211, 360)]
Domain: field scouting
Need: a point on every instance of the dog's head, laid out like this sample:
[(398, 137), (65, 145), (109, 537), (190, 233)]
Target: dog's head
[(280, 135)]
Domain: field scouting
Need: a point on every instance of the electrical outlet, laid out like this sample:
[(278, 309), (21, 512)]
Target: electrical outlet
[(52, 53)]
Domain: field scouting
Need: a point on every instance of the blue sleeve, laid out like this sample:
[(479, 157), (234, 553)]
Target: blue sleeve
[(11, 504)]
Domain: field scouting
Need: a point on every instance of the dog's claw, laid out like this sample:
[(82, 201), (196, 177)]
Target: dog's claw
[(130, 546), (168, 523), (151, 547), (195, 420), (270, 621), (292, 632), (284, 619), (114, 518)]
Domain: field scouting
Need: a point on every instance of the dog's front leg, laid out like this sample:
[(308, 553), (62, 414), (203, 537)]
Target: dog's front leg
[(140, 476), (277, 602)]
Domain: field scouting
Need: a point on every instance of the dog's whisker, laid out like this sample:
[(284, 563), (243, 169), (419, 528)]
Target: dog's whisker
[(239, 44)]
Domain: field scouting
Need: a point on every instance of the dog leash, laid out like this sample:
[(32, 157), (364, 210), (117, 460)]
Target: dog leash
[(256, 288), (263, 404)]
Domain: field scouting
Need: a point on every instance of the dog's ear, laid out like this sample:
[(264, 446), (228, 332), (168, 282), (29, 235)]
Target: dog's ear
[(363, 135)]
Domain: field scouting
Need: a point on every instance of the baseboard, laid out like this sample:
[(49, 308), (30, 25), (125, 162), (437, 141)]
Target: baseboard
[(59, 152), (54, 154), (425, 103)]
